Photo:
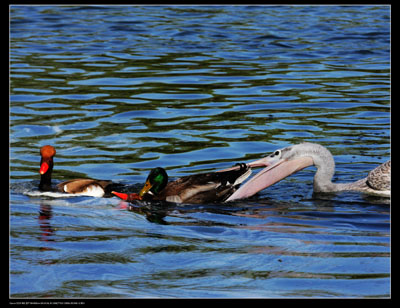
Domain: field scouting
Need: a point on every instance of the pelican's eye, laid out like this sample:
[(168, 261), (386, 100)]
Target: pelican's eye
[(276, 153)]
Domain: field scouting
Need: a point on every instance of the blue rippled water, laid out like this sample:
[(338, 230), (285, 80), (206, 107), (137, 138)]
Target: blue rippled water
[(119, 90)]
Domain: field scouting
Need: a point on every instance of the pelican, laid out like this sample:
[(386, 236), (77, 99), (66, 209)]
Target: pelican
[(284, 162)]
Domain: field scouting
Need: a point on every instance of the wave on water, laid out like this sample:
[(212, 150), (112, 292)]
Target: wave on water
[(51, 194), (30, 190)]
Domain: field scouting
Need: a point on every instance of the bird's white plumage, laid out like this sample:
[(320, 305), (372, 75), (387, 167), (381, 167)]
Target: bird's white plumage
[(90, 190)]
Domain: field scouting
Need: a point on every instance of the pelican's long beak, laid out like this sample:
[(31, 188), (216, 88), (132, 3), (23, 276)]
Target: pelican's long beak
[(263, 162), (275, 171)]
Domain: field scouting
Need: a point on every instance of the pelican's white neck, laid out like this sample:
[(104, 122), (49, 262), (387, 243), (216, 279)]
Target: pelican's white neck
[(324, 162)]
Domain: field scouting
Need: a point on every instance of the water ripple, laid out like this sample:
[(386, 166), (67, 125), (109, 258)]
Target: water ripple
[(119, 90)]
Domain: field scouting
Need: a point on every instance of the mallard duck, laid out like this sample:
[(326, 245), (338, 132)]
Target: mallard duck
[(197, 188), (87, 187)]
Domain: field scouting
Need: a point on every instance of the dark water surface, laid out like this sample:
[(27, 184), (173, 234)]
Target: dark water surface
[(119, 90)]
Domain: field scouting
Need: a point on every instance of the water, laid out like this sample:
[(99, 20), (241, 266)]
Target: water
[(119, 90)]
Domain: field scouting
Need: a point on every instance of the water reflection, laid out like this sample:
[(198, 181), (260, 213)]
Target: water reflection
[(153, 212), (45, 215)]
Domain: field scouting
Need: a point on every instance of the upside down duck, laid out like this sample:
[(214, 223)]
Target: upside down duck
[(197, 188), (86, 187)]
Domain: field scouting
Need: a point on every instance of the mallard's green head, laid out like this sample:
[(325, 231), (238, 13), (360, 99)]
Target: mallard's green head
[(155, 182)]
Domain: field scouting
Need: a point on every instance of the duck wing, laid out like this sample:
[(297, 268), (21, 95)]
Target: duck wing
[(204, 187), (379, 178)]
